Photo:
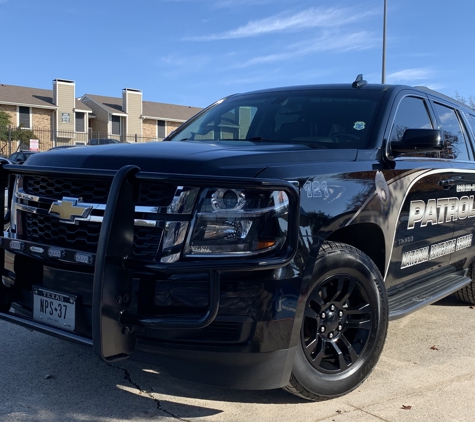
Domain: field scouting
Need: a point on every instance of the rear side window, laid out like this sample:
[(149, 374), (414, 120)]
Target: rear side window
[(455, 146), (471, 122)]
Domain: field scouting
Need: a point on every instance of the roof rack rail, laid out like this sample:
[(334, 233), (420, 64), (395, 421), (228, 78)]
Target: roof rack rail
[(359, 81)]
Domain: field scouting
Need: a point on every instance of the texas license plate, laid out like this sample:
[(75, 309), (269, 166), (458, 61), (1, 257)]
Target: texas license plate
[(54, 308)]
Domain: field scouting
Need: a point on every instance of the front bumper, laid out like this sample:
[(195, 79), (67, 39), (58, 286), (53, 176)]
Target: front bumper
[(246, 346), (114, 327)]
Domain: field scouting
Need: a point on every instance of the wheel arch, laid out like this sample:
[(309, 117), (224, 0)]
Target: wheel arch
[(357, 235)]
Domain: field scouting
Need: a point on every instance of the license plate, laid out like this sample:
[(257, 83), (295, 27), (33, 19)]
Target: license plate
[(54, 308)]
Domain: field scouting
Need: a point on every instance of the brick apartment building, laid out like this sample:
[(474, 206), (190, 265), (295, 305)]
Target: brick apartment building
[(58, 117)]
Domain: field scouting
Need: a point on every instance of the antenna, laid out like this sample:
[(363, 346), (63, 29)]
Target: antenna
[(359, 81)]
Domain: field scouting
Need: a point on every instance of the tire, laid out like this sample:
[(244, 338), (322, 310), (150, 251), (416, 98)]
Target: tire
[(344, 325), (467, 293)]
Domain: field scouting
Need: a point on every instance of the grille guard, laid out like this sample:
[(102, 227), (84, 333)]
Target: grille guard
[(113, 327)]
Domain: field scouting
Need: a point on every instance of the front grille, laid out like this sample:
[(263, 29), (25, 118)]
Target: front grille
[(49, 231), (156, 195), (146, 242), (84, 235), (94, 191)]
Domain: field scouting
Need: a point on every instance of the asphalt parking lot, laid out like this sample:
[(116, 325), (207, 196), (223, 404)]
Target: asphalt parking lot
[(426, 373)]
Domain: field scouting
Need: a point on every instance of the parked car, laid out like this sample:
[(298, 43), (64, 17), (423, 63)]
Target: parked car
[(64, 147), (102, 141), (20, 157)]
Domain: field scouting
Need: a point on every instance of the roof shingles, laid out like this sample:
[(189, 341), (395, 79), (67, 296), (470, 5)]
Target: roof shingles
[(11, 94), (35, 97)]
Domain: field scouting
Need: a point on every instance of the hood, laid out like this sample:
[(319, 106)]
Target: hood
[(231, 158)]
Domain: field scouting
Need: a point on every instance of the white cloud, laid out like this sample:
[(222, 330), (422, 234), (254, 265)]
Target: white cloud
[(223, 4), (175, 65), (436, 87), (410, 75), (332, 41), (310, 18), (328, 42)]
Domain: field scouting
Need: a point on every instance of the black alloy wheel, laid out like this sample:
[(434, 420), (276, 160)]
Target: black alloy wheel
[(344, 324), (337, 324)]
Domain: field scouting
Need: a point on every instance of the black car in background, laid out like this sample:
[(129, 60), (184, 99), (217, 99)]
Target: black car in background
[(20, 157), (102, 141)]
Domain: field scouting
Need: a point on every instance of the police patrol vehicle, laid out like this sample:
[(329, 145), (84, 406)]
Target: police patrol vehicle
[(265, 243)]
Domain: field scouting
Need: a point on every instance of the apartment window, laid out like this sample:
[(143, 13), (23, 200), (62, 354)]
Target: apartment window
[(80, 122), (161, 129), (24, 117), (115, 125)]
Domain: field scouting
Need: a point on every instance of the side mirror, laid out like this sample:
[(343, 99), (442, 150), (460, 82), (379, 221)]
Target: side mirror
[(418, 140)]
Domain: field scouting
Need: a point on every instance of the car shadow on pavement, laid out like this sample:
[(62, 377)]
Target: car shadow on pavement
[(162, 383), (44, 378), (152, 373)]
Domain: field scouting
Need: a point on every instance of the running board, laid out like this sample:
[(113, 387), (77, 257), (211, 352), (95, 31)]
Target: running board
[(424, 293)]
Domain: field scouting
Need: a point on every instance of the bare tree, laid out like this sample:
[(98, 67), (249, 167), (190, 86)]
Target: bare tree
[(470, 101)]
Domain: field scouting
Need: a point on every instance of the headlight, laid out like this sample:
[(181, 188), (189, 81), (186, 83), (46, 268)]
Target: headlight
[(234, 222)]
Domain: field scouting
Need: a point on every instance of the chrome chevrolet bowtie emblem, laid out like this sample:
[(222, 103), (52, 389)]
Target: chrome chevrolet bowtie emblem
[(68, 210)]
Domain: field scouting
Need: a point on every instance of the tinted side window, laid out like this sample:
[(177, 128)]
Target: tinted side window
[(411, 114), (455, 147), (471, 123)]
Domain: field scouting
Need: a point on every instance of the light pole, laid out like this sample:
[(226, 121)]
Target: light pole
[(383, 73)]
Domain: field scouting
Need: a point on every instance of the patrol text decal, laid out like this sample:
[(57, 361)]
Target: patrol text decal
[(442, 210), (417, 256)]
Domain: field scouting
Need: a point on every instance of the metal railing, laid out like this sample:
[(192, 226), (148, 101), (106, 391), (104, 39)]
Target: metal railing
[(14, 139)]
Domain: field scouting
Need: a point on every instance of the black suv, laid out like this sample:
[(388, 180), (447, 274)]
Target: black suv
[(266, 243)]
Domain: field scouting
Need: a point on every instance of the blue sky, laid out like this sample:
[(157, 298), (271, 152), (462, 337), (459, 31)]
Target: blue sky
[(194, 52)]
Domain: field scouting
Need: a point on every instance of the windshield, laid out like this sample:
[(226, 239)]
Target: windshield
[(320, 118)]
